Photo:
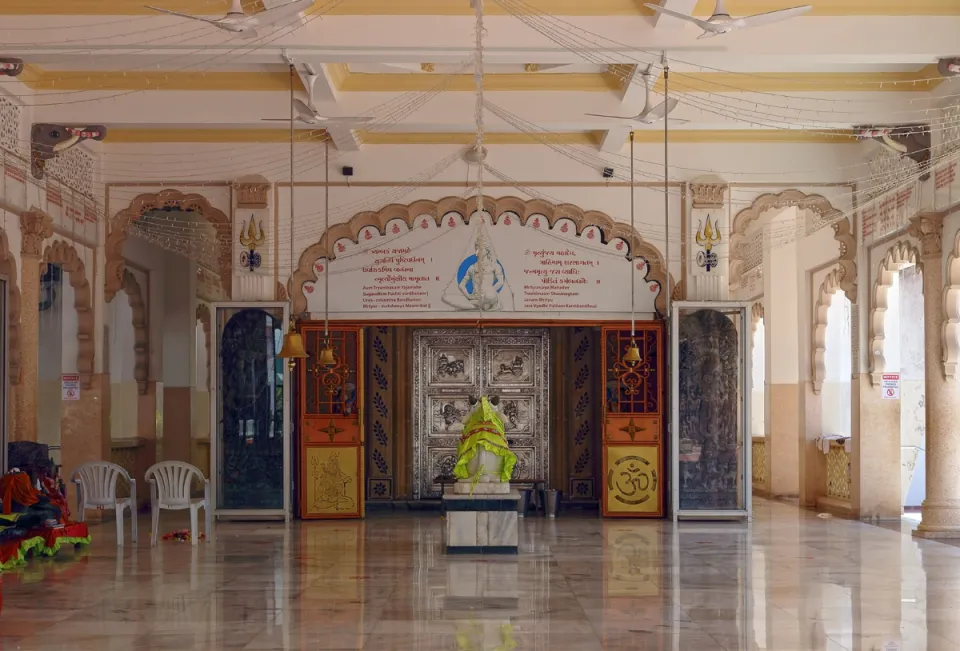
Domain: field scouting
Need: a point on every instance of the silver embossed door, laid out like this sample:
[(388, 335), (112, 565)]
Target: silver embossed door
[(451, 365)]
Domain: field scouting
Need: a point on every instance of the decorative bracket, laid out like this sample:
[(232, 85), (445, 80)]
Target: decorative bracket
[(49, 140)]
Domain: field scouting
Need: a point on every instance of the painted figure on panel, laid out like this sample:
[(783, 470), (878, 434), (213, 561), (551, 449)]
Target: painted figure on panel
[(483, 456), (330, 485), (481, 282)]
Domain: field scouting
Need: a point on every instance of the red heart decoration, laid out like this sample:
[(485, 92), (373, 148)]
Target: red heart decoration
[(640, 266), (340, 247), (424, 224), (367, 235), (506, 220), (451, 223), (590, 234), (396, 229), (620, 246), (536, 222), (654, 288), (308, 289), (318, 267), (565, 227)]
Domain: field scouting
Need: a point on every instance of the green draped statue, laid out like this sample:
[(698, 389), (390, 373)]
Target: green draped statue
[(483, 455)]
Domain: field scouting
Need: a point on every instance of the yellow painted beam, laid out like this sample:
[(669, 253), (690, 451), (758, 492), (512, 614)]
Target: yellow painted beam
[(523, 81), (759, 136), (922, 80), (117, 136), (592, 138), (112, 80), (462, 8)]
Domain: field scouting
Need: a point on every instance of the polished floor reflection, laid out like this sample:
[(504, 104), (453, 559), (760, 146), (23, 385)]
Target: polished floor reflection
[(789, 582)]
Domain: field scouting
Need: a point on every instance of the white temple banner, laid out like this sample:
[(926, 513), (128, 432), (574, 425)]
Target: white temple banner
[(510, 269)]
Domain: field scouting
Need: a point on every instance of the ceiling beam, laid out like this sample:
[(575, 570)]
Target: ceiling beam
[(344, 138)]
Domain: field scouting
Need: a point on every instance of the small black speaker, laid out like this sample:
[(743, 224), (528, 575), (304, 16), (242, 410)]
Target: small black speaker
[(346, 170), (608, 172)]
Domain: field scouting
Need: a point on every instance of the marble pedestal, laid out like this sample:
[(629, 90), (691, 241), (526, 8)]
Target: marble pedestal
[(481, 524)]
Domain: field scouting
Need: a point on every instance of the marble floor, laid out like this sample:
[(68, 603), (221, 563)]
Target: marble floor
[(790, 581)]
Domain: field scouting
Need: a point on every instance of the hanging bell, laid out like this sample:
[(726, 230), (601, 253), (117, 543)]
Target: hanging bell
[(327, 358), (632, 357), (292, 348)]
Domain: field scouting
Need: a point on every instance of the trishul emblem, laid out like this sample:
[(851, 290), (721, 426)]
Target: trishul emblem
[(251, 238), (708, 236)]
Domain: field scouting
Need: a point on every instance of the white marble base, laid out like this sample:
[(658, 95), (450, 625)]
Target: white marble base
[(467, 487), (472, 530)]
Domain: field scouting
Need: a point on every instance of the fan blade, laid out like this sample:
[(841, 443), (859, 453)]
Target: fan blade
[(345, 120), (661, 110), (770, 17), (182, 15), (613, 117), (283, 12), (676, 14)]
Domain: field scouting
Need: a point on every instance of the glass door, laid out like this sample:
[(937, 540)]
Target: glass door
[(250, 409), (711, 411)]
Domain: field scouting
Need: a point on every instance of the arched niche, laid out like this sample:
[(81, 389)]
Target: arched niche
[(951, 312), (203, 316), (8, 268), (824, 298), (171, 200), (824, 213), (524, 210), (900, 254), (65, 255), (141, 333)]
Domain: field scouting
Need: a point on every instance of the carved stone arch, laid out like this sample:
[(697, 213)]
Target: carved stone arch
[(951, 312), (171, 199), (824, 295), (902, 253), (8, 268), (65, 255), (203, 316), (609, 229), (774, 201), (141, 331), (756, 315)]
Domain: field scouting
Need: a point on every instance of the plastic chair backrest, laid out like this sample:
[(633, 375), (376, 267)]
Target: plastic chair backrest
[(173, 480), (99, 482)]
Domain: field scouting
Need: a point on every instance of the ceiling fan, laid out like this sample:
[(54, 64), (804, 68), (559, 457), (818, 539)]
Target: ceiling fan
[(650, 114), (307, 114), (723, 23), (238, 22)]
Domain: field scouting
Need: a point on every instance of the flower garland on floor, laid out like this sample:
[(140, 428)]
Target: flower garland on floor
[(181, 536)]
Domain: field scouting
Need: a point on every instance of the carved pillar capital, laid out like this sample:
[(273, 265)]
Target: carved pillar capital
[(708, 195), (928, 228), (252, 195), (35, 227)]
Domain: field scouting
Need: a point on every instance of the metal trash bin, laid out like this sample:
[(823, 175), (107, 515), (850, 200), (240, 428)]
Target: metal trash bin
[(551, 502), (524, 503)]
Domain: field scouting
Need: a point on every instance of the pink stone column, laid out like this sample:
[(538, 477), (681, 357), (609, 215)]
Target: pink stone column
[(85, 428), (35, 227), (941, 508)]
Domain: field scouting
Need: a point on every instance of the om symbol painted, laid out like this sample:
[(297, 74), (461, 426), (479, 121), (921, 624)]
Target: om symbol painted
[(632, 480)]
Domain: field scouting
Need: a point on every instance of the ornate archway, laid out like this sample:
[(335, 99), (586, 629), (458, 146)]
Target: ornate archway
[(609, 228), (951, 312), (818, 349), (169, 199), (826, 215), (141, 333), (203, 316), (65, 255), (8, 268), (901, 254)]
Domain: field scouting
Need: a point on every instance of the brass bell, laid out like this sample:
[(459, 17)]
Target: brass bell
[(292, 348), (632, 357), (327, 358)]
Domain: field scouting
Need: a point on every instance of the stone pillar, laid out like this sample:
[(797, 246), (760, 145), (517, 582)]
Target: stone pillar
[(85, 428), (783, 390), (35, 227), (941, 508), (179, 357)]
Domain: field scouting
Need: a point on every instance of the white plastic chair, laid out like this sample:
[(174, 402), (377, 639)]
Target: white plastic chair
[(97, 489), (170, 483)]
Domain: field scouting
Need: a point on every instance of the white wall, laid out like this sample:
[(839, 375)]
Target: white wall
[(835, 394), (912, 380), (757, 386)]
